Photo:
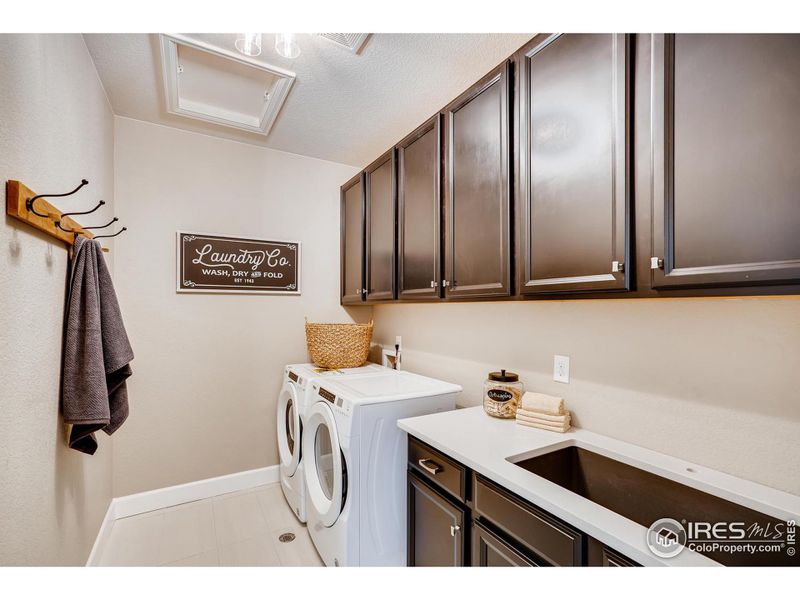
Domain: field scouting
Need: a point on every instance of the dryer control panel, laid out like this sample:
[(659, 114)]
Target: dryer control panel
[(337, 403)]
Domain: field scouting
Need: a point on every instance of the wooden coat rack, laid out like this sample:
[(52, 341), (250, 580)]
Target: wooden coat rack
[(18, 205)]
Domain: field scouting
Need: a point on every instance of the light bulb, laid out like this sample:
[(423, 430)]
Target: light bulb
[(286, 45), (249, 44)]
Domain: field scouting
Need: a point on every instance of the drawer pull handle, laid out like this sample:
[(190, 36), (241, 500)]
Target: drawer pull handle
[(430, 466), (454, 529)]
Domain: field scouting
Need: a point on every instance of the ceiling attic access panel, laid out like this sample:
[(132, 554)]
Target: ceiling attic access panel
[(214, 85)]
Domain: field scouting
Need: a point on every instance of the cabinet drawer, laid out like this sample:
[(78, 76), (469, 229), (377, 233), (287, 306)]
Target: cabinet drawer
[(552, 540), (435, 466)]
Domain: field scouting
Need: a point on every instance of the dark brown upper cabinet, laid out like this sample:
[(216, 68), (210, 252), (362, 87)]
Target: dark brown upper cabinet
[(352, 240), (379, 182), (572, 175), (477, 199), (419, 213), (726, 150)]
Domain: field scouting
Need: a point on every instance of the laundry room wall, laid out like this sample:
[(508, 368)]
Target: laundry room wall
[(710, 380), (56, 127), (208, 367)]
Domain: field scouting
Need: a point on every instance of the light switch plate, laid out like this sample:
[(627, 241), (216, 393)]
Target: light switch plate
[(561, 368)]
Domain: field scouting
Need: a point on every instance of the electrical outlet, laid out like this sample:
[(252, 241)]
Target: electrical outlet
[(561, 368)]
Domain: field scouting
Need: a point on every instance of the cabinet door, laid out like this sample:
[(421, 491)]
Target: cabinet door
[(436, 536), (489, 550), (573, 175), (600, 555), (380, 203), (419, 213), (352, 246), (726, 150), (477, 197)]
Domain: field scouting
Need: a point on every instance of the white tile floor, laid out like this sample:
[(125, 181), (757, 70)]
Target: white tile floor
[(236, 530)]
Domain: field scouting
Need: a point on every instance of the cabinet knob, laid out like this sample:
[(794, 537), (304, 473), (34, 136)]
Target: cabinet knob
[(617, 266), (358, 291), (656, 263), (445, 283), (434, 284), (454, 529)]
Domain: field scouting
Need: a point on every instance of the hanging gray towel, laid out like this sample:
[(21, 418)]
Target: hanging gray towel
[(96, 351)]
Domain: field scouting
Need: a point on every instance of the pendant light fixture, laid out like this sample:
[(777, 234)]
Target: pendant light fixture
[(249, 44), (286, 45)]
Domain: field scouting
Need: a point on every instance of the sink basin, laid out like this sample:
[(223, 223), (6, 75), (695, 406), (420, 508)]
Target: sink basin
[(645, 497)]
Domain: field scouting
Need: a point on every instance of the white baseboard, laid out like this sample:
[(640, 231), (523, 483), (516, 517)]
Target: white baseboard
[(127, 506)]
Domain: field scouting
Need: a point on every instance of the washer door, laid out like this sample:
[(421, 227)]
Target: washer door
[(289, 429), (325, 470)]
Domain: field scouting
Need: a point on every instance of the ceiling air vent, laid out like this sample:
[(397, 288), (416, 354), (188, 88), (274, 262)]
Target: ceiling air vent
[(351, 41)]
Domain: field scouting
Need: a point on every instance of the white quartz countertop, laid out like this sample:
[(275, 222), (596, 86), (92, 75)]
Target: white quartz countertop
[(483, 443)]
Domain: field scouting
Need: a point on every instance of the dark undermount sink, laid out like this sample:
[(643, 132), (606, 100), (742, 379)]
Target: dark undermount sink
[(644, 497)]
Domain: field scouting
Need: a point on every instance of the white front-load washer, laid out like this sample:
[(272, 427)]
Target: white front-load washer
[(355, 463), (294, 397)]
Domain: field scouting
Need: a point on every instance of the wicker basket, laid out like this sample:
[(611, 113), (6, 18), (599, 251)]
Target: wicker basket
[(338, 345)]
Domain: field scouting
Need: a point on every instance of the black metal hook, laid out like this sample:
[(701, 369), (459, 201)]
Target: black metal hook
[(29, 203), (97, 237), (84, 212), (111, 222)]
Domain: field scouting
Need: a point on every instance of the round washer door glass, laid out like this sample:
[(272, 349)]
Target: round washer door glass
[(323, 457), (289, 429), (290, 418), (326, 471)]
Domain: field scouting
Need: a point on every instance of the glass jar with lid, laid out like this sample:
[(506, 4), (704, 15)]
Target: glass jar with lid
[(502, 392)]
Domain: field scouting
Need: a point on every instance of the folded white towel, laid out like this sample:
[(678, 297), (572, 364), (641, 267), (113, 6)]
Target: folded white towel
[(566, 421), (528, 422), (551, 419), (535, 402)]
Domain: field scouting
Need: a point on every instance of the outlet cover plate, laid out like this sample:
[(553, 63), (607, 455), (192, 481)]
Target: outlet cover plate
[(561, 368)]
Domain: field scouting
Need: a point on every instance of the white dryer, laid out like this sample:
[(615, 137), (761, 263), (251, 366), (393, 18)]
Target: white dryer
[(296, 393), (355, 463)]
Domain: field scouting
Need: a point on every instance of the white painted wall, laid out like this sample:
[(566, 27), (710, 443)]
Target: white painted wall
[(208, 367), (56, 127), (712, 380)]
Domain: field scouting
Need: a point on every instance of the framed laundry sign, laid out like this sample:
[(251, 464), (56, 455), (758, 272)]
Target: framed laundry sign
[(233, 265)]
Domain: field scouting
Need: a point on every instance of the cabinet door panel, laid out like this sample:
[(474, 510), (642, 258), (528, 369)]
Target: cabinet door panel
[(573, 171), (726, 145), (489, 550), (352, 246), (478, 198), (600, 555), (436, 536), (380, 204), (419, 213)]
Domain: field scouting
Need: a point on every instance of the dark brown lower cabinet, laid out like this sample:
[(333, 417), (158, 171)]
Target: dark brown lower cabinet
[(436, 536), (490, 550), (600, 555), (459, 518)]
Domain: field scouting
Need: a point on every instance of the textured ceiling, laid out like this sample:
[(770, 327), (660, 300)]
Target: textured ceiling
[(343, 107)]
